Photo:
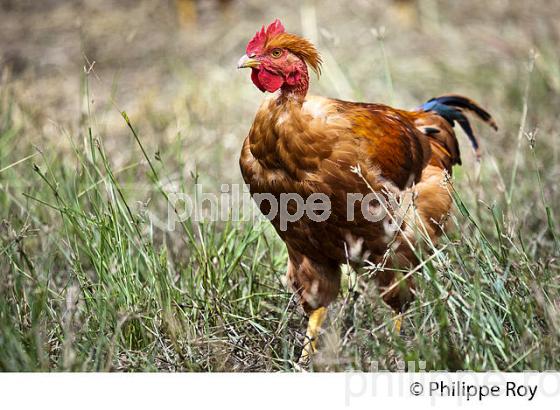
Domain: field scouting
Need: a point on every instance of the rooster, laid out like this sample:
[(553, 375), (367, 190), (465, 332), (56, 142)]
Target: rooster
[(305, 145)]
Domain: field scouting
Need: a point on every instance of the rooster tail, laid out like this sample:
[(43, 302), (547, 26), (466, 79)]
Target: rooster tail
[(452, 108)]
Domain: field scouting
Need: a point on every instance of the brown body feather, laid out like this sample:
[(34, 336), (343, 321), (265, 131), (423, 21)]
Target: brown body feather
[(312, 146)]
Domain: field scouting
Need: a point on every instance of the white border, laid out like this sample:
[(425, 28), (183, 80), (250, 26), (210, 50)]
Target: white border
[(265, 391)]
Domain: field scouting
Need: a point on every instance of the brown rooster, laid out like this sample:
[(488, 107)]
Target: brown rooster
[(304, 145)]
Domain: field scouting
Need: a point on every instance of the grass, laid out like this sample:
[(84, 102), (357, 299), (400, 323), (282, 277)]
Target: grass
[(88, 282)]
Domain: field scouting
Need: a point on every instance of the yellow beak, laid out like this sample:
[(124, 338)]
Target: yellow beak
[(248, 62)]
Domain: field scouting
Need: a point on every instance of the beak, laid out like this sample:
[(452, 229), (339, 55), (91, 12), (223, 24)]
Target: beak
[(248, 62)]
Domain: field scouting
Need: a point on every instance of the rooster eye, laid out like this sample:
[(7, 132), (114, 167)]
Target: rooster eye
[(276, 53)]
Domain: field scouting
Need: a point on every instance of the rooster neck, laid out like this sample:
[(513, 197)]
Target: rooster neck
[(297, 90)]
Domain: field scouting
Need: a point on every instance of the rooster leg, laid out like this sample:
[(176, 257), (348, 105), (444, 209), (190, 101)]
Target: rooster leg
[(316, 285), (399, 301), (397, 323), (316, 319), (396, 292)]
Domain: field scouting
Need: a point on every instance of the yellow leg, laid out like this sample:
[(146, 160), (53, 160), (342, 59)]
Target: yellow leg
[(316, 319), (397, 323)]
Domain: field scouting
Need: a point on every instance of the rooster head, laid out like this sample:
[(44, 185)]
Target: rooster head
[(278, 59)]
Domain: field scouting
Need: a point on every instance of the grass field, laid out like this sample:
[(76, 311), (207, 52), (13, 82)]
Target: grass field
[(88, 281)]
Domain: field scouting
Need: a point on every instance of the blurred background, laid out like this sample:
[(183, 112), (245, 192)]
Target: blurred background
[(87, 283), (171, 63)]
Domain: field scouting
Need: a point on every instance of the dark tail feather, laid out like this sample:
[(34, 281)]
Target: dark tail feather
[(451, 108), (469, 105)]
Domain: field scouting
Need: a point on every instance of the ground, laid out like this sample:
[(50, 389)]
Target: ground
[(109, 109)]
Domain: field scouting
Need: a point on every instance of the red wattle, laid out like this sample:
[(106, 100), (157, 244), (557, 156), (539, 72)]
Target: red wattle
[(255, 78), (266, 80)]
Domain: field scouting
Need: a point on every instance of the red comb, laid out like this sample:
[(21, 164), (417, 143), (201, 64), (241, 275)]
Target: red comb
[(258, 42)]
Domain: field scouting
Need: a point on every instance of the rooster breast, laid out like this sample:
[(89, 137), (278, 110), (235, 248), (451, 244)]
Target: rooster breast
[(314, 147)]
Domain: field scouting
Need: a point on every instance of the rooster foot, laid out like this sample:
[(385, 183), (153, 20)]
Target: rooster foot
[(397, 323), (316, 319)]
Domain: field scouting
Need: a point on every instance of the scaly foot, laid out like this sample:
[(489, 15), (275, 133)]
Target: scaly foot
[(397, 323), (316, 319)]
